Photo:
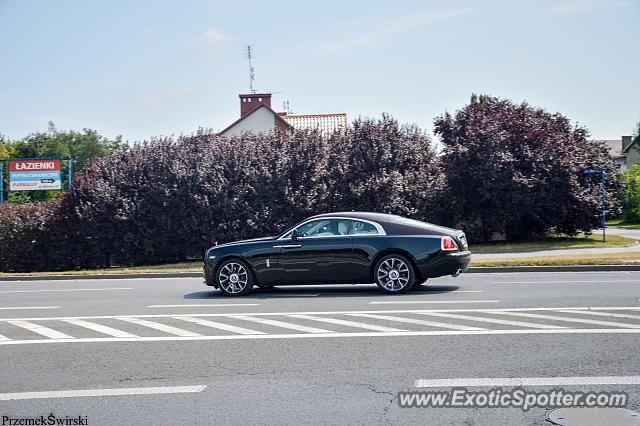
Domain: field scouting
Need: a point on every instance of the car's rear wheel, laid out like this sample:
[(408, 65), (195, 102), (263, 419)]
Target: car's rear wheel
[(394, 273), (234, 278)]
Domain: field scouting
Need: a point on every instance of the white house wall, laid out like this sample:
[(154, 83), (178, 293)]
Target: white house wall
[(258, 121)]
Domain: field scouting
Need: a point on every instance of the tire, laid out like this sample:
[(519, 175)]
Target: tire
[(418, 283), (398, 266), (234, 277)]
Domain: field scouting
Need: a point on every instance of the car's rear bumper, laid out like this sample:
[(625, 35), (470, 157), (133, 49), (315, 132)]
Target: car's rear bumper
[(446, 263)]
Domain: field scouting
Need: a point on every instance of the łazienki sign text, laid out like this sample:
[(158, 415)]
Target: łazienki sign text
[(34, 175)]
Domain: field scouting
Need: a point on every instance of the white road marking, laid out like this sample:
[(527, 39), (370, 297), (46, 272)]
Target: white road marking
[(100, 328), (417, 321), (566, 282), (219, 325), (347, 323), (604, 314), (285, 296), (391, 302), (391, 311), (528, 381), (3, 338), (15, 308), (204, 305), (333, 334), (282, 324), (492, 320), (162, 327), (100, 392), (69, 289), (570, 319), (40, 329)]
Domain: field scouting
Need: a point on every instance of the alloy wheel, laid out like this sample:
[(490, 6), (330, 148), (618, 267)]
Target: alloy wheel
[(393, 274), (233, 278)]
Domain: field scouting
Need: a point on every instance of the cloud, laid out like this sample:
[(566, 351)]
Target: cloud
[(393, 27), (411, 23), (171, 94), (576, 6), (211, 37)]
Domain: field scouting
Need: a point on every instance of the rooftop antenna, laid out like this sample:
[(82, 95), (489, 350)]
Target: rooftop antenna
[(252, 74)]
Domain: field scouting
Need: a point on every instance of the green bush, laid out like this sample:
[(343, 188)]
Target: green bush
[(167, 200), (630, 194)]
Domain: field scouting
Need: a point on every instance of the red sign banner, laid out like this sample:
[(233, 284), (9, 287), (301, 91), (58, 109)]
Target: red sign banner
[(34, 165)]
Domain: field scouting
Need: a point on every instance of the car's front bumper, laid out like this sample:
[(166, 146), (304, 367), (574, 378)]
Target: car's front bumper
[(209, 270)]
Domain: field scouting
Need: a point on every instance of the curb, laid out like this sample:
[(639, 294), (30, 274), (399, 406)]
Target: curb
[(473, 270), (568, 268), (101, 276)]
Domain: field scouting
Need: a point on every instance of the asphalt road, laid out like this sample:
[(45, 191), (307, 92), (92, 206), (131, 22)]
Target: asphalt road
[(170, 351)]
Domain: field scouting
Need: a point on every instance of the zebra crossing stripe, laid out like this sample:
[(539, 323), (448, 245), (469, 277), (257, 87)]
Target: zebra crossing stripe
[(492, 320), (570, 319), (40, 329), (161, 327), (347, 323), (219, 325), (417, 321), (604, 314), (110, 331), (282, 324)]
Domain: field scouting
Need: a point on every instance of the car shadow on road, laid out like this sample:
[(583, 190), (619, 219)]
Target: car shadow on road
[(321, 291)]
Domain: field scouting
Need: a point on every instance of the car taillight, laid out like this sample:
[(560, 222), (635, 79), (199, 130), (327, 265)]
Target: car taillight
[(448, 244)]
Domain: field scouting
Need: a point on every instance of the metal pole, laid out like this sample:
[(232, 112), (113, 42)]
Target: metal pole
[(69, 172), (604, 210), (1, 182)]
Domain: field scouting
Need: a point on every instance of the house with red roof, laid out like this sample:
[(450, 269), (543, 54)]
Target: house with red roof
[(257, 116)]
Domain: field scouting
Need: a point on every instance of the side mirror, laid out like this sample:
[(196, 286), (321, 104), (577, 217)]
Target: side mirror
[(294, 234)]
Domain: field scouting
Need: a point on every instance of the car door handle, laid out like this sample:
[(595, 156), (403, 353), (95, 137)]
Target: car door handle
[(288, 246)]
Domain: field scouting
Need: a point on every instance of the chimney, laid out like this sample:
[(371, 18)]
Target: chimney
[(626, 141), (250, 102)]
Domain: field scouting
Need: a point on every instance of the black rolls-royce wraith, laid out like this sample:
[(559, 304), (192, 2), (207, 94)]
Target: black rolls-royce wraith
[(335, 248)]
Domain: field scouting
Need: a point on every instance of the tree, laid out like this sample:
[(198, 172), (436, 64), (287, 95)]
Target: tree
[(630, 194), (389, 168), (82, 146), (515, 170)]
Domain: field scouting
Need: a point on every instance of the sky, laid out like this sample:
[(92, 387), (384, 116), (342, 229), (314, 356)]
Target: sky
[(146, 68)]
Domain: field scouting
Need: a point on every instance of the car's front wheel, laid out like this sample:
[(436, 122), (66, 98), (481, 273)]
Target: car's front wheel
[(419, 283), (394, 273), (234, 278)]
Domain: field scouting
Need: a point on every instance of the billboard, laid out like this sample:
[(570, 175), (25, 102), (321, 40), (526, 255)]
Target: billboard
[(34, 175)]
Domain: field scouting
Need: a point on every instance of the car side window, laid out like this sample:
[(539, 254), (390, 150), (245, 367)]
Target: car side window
[(363, 228), (325, 228)]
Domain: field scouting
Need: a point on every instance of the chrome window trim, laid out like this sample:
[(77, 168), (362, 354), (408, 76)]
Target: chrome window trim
[(378, 227)]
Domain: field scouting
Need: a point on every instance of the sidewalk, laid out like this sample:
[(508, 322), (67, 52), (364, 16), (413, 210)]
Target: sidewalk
[(629, 233)]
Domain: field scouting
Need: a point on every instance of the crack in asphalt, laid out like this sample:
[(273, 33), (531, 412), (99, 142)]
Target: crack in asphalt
[(373, 389)]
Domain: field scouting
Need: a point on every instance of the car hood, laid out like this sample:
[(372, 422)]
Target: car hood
[(252, 240)]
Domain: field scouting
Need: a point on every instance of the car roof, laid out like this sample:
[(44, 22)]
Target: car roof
[(376, 217), (394, 224)]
